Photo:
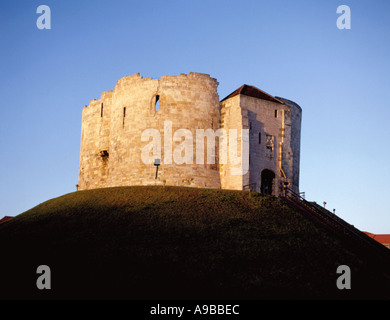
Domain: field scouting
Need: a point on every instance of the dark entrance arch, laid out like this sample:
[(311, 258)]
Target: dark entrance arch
[(267, 178)]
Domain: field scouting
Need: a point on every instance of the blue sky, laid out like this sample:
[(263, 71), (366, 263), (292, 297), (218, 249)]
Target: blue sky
[(291, 49)]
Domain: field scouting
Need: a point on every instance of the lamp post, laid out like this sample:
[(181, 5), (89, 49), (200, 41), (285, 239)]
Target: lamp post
[(157, 163)]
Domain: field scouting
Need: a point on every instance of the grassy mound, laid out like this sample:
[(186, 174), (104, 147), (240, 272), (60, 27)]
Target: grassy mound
[(176, 243)]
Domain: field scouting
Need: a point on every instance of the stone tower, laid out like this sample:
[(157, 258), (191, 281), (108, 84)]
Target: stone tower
[(274, 126), (172, 107), (156, 132)]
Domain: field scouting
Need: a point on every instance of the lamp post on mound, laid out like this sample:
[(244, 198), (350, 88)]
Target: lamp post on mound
[(157, 163)]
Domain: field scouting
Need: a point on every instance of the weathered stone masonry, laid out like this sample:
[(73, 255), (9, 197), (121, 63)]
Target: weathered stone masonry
[(112, 127)]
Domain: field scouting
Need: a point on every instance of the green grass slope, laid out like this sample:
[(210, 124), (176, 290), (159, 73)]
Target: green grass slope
[(176, 243)]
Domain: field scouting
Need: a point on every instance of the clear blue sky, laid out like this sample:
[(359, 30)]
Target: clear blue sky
[(292, 49)]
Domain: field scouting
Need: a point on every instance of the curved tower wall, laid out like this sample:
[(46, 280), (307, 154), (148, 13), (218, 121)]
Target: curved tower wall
[(293, 142), (114, 127), (124, 129)]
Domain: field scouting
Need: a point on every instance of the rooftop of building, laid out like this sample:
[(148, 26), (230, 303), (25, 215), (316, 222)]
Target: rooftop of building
[(252, 91), (382, 238)]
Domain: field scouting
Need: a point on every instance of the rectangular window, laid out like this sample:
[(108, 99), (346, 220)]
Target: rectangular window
[(101, 110), (157, 104), (269, 142), (269, 146), (259, 137), (124, 115), (276, 113)]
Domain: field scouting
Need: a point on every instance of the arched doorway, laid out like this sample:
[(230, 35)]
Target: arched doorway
[(267, 178)]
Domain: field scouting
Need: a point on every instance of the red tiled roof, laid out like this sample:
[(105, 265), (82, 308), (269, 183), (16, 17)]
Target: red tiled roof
[(5, 218), (252, 91), (381, 238)]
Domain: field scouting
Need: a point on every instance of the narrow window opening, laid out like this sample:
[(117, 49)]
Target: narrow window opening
[(276, 113), (259, 137), (101, 110), (124, 115), (104, 154), (157, 105), (269, 145)]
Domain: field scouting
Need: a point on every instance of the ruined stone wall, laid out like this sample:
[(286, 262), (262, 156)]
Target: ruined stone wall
[(232, 117), (111, 143), (95, 133), (119, 129)]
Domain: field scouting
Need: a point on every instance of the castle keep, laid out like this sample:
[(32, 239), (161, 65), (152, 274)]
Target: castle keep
[(174, 131)]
